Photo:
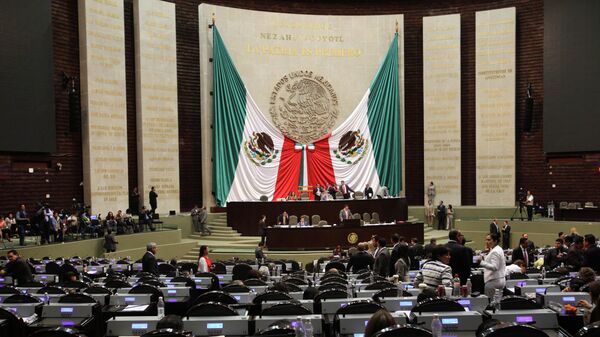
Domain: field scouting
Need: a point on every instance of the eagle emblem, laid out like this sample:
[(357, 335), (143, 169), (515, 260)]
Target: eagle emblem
[(260, 148), (352, 147)]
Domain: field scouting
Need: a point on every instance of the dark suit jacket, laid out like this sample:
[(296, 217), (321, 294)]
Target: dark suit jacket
[(552, 260), (574, 258), (394, 256), (360, 260), (591, 258), (369, 193), (416, 253), (461, 259), (281, 220), (149, 263), (381, 266), (517, 254), (494, 228)]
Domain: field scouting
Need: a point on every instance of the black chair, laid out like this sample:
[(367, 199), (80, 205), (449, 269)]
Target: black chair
[(33, 284), (9, 290), (65, 270), (292, 287), (165, 268), (518, 276), (356, 307), (380, 285), (281, 328), (97, 290), (52, 268), (330, 286), (116, 283), (340, 274), (16, 327), (437, 304), (287, 308), (364, 275), (517, 303), (236, 288), (334, 280), (147, 289), (214, 280), (271, 296), (57, 332), (22, 298), (51, 290), (335, 264), (167, 333), (390, 292), (187, 266), (254, 282), (210, 309), (76, 298), (217, 296), (404, 331), (240, 271), (74, 284), (512, 330), (218, 268), (591, 330), (296, 281), (182, 279), (554, 274), (328, 294), (155, 283)]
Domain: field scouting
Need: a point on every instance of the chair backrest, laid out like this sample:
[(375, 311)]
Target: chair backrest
[(335, 264), (571, 205), (366, 217), (217, 296), (281, 328), (51, 290), (16, 327), (359, 307), (9, 290), (403, 330), (167, 333), (286, 308), (293, 280), (304, 196), (22, 298), (437, 304), (147, 289), (518, 276), (56, 332), (236, 288), (513, 329), (331, 293), (254, 282), (359, 195), (97, 290), (518, 303), (389, 292), (165, 268), (563, 205), (210, 309), (218, 268), (332, 285), (356, 216), (264, 198), (76, 298), (339, 195), (322, 223), (272, 295), (591, 330), (375, 216), (240, 271), (115, 283), (293, 220), (306, 218), (379, 285), (315, 219), (292, 287), (338, 280)]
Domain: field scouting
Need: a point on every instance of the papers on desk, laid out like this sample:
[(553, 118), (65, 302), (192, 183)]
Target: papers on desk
[(130, 308)]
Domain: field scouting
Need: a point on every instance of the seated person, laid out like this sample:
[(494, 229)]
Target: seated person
[(283, 219), (591, 313), (380, 320), (516, 267), (303, 222), (145, 219), (170, 322), (436, 271)]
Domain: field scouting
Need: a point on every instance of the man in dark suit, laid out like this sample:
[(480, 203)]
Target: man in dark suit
[(557, 255), (591, 257), (494, 228), (368, 192), (441, 214), (149, 264), (331, 190), (361, 260), (522, 253), (382, 259), (153, 196), (395, 255), (416, 253), (461, 257), (283, 219), (317, 191), (17, 267), (346, 190)]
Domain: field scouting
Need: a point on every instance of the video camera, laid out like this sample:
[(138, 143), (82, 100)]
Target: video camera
[(521, 196)]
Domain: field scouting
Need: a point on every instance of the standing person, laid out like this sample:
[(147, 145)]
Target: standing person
[(346, 190), (494, 264), (345, 213), (462, 257), (415, 253), (529, 204), (430, 212), (203, 221), (382, 258), (449, 217), (153, 196), (441, 212), (395, 255), (110, 243), (494, 228), (431, 192), (134, 202), (402, 265), (17, 268), (506, 235), (4, 230), (259, 253), (361, 260), (317, 192), (368, 192), (149, 264), (204, 263), (11, 223), (262, 229), (522, 253), (195, 213)]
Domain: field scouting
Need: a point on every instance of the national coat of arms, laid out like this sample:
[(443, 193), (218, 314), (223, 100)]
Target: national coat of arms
[(352, 147), (260, 149)]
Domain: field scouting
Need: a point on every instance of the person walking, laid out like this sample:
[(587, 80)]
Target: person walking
[(494, 264)]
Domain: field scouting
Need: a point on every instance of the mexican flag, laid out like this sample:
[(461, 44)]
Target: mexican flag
[(252, 158)]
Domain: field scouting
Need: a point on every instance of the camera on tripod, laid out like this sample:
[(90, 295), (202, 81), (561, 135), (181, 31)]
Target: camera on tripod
[(521, 200)]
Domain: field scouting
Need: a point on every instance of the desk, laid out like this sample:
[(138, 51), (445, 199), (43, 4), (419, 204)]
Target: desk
[(243, 216), (582, 214), (329, 237)]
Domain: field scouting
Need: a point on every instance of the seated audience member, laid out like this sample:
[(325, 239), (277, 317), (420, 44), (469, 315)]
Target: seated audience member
[(591, 257), (517, 266), (380, 320), (264, 273), (17, 267), (292, 196), (110, 222), (204, 263), (170, 322), (338, 251), (530, 244), (522, 252), (332, 271), (368, 192), (575, 254), (591, 313), (436, 271), (557, 255), (361, 260)]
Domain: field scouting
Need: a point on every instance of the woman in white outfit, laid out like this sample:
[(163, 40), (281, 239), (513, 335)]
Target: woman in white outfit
[(494, 264)]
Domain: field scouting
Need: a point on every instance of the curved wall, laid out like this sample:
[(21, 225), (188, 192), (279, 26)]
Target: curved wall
[(575, 177)]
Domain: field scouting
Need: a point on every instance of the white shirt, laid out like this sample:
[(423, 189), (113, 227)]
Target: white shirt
[(202, 265), (513, 268), (494, 264)]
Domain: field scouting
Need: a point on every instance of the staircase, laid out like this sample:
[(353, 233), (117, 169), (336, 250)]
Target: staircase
[(223, 239)]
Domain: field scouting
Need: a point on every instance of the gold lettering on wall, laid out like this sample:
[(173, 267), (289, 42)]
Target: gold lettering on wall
[(441, 107), (495, 107)]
